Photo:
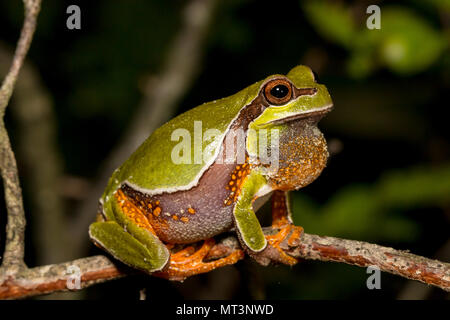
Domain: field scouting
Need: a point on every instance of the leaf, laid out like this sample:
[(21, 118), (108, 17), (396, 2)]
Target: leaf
[(420, 186), (406, 43), (410, 44), (331, 20)]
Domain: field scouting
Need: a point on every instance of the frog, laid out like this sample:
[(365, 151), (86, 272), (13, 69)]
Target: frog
[(168, 196)]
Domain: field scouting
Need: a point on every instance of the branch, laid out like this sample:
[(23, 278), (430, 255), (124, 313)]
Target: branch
[(15, 228), (97, 269), (33, 111), (53, 278), (363, 254)]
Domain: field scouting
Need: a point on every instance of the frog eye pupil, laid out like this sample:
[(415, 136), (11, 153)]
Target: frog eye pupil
[(280, 91)]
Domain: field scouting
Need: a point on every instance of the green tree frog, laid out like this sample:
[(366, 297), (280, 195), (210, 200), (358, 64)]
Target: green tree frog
[(208, 170)]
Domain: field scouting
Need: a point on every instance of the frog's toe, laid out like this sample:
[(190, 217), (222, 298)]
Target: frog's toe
[(273, 252), (186, 262), (185, 254), (147, 253)]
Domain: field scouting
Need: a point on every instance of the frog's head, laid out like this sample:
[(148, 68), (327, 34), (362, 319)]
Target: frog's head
[(292, 97)]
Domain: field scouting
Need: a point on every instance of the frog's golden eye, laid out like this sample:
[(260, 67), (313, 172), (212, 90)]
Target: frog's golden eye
[(278, 91)]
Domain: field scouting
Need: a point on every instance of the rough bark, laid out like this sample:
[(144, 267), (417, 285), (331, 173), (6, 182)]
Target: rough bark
[(52, 278)]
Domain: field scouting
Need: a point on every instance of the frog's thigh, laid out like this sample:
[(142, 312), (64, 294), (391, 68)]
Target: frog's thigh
[(128, 242), (124, 247), (247, 223)]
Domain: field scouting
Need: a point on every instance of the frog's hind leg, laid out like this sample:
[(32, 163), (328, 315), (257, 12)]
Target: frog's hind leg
[(129, 241), (282, 220), (188, 262), (147, 255)]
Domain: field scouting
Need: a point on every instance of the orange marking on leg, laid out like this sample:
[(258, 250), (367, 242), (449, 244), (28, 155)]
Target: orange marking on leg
[(182, 254), (157, 211), (275, 241), (237, 178), (184, 264), (295, 235), (279, 210), (132, 211), (280, 221)]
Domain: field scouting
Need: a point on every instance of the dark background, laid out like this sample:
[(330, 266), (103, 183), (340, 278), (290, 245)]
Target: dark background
[(388, 178)]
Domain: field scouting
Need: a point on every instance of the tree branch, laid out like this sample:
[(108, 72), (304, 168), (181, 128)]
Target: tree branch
[(97, 269), (33, 112), (15, 229), (365, 254)]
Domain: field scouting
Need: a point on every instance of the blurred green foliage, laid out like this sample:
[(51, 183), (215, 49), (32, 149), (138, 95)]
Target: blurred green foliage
[(364, 211), (406, 43), (331, 20)]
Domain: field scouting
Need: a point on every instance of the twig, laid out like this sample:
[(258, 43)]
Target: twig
[(160, 101), (52, 278), (34, 114), (414, 290), (365, 254), (15, 229)]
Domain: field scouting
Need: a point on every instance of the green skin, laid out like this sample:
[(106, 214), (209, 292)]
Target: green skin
[(151, 170)]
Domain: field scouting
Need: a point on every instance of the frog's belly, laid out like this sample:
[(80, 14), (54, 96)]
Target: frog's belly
[(192, 215), (188, 217)]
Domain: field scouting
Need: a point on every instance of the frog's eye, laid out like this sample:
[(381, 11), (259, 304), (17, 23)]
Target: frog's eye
[(278, 91)]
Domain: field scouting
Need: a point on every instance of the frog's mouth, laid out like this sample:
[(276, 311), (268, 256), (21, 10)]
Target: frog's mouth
[(315, 115)]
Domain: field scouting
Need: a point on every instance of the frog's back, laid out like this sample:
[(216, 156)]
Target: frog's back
[(151, 170)]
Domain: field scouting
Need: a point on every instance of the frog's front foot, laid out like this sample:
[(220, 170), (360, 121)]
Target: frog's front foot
[(289, 235), (188, 262)]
